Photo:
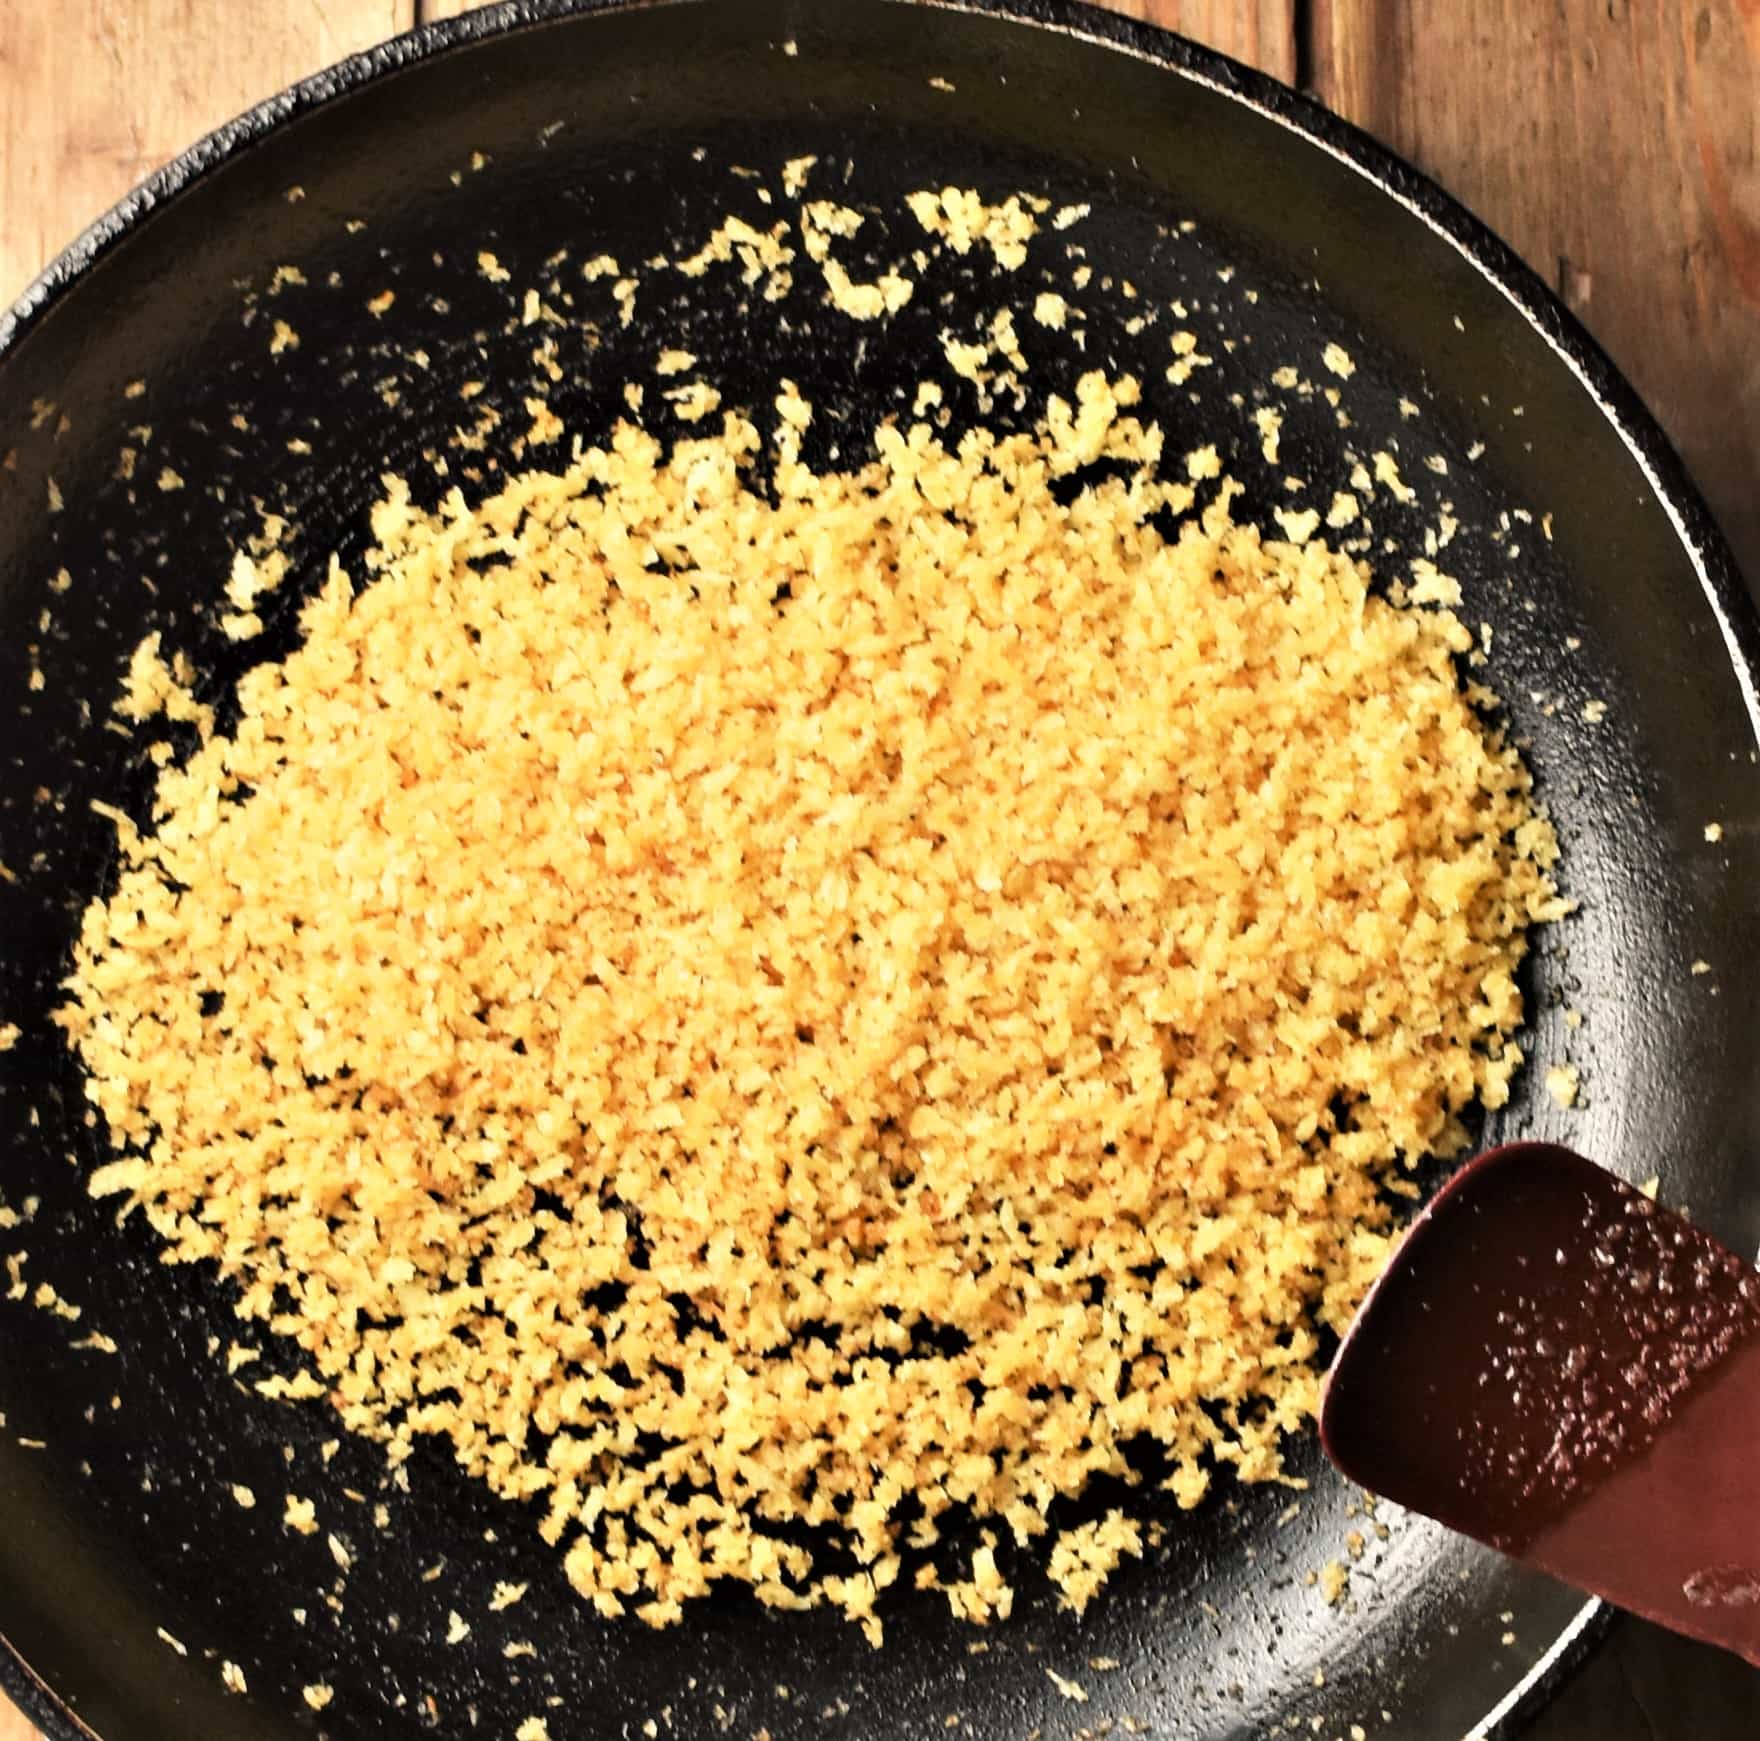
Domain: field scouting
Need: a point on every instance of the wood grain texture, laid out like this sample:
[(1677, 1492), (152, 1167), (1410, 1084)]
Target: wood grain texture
[(1616, 145), (97, 93)]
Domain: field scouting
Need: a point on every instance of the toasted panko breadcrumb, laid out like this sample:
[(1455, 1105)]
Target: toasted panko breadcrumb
[(959, 217), (827, 1003), (1083, 1557), (153, 687)]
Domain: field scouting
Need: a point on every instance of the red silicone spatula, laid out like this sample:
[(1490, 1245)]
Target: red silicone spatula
[(1556, 1366)]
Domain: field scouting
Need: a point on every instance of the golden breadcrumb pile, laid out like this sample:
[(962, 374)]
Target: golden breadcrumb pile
[(838, 1001)]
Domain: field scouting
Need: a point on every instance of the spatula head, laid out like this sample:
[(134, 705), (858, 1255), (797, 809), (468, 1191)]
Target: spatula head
[(1556, 1366)]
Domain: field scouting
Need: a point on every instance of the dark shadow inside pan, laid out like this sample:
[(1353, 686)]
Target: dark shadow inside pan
[(116, 1469)]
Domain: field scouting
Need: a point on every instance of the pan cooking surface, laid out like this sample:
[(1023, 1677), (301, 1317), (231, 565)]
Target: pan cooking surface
[(129, 1575)]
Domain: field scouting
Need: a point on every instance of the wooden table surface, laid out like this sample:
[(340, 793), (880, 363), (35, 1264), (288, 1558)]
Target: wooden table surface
[(1615, 143)]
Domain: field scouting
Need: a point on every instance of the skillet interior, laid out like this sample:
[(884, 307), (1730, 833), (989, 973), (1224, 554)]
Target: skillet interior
[(120, 1525)]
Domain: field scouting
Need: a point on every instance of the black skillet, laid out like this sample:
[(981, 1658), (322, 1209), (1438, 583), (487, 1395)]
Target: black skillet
[(115, 1469)]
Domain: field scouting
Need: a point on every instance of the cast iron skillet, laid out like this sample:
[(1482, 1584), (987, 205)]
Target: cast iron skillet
[(115, 1520)]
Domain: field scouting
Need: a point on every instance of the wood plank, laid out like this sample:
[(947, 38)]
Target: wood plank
[(1260, 32), (1622, 160), (99, 93)]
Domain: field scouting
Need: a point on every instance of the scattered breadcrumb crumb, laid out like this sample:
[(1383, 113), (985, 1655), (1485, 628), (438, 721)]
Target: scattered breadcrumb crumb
[(1050, 309), (1562, 1082), (693, 401), (963, 221), (457, 1628), (1335, 1582), (1430, 586), (492, 269), (243, 1496), (1387, 472), (546, 426), (1338, 360), (232, 1678), (300, 1515), (1270, 422), (1083, 1556), (318, 1695), (282, 338), (1714, 832), (47, 1299)]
